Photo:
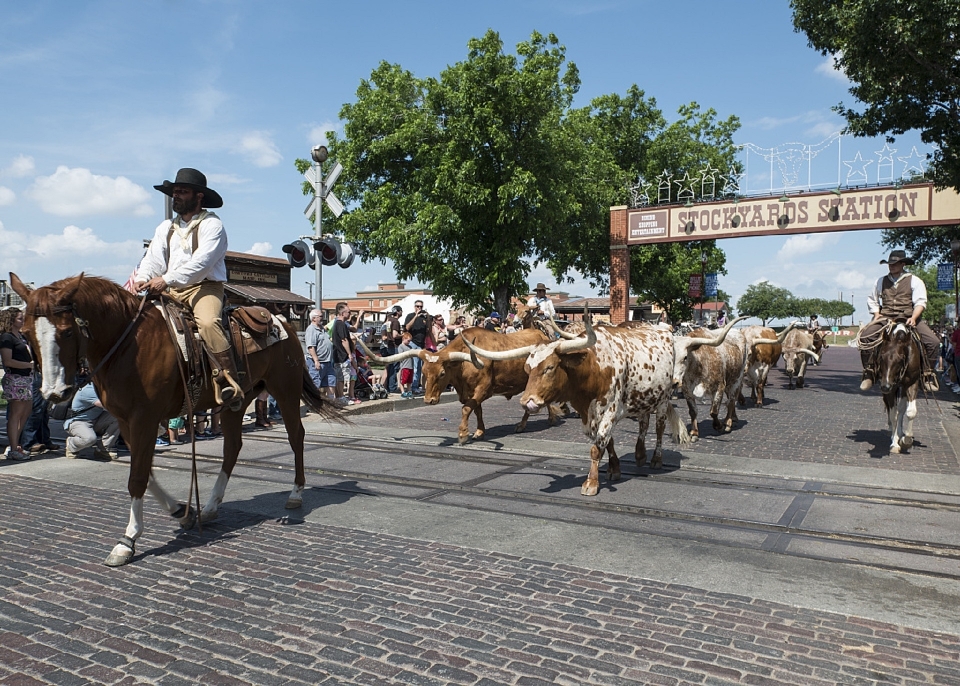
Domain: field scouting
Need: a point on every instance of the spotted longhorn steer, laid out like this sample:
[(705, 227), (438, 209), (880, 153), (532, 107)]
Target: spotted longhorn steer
[(797, 347), (716, 371), (473, 380), (609, 373), (764, 346)]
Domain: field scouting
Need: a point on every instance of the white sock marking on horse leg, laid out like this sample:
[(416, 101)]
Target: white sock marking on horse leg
[(216, 495), (135, 525), (296, 493), (166, 501)]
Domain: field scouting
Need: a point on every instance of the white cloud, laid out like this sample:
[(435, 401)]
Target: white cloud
[(21, 166), (262, 248), (78, 192), (848, 279), (318, 133), (823, 129), (214, 180), (7, 196), (46, 258), (260, 149), (830, 69), (805, 244)]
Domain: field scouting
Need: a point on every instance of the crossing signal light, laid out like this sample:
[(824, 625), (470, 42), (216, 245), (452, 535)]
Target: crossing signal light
[(329, 251), (299, 254)]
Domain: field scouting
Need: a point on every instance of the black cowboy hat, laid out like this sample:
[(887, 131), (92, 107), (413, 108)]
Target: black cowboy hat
[(191, 178), (898, 256)]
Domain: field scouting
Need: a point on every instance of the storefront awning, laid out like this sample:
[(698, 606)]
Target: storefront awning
[(266, 294)]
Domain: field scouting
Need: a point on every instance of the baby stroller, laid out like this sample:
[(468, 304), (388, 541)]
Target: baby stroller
[(364, 390)]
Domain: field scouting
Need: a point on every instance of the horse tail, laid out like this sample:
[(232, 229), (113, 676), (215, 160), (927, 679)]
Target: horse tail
[(317, 402)]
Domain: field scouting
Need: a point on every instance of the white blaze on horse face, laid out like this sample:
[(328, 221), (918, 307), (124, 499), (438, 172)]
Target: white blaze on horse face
[(54, 376)]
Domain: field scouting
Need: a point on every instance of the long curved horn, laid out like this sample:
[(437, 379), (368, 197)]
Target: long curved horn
[(512, 354), (573, 344), (803, 351), (783, 334), (714, 341), (389, 359), (780, 337), (561, 332), (456, 356)]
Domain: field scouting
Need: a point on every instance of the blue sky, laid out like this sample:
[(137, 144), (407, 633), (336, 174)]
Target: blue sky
[(104, 99)]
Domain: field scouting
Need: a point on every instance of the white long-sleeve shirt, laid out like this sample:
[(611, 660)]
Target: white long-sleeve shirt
[(545, 305), (918, 291), (183, 267)]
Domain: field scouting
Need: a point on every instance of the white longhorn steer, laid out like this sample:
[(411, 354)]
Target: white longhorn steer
[(607, 374)]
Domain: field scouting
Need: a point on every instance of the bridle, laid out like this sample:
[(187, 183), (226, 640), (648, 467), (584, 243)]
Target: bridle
[(84, 326)]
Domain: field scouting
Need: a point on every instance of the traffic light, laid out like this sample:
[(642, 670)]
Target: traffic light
[(329, 251), (299, 254)]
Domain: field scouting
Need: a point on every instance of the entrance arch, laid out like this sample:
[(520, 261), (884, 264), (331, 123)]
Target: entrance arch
[(882, 207)]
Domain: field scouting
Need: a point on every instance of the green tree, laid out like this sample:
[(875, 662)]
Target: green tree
[(836, 310), (461, 180), (765, 302), (661, 274), (901, 56), (924, 244)]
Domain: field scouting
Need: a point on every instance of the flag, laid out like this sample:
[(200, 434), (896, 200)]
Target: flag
[(131, 280)]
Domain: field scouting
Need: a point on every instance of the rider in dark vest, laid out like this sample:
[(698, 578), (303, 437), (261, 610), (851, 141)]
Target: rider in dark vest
[(898, 295)]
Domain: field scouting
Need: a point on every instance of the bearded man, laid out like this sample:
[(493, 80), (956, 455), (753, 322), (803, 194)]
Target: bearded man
[(186, 260)]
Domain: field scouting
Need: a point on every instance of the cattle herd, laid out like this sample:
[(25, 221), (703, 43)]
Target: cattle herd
[(609, 372)]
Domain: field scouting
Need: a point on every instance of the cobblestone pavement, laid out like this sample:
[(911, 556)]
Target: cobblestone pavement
[(829, 421), (257, 600)]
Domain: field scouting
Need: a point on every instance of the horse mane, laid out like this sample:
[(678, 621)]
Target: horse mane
[(99, 297)]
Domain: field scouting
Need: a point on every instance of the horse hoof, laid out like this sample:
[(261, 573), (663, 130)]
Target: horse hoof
[(895, 449), (189, 520), (694, 438), (119, 556), (294, 503), (589, 488), (206, 516), (463, 440), (906, 442)]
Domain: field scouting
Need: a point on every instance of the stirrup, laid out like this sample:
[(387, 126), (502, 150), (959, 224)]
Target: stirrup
[(866, 382), (930, 382)]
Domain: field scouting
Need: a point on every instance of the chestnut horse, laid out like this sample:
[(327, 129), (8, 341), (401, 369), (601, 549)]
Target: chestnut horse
[(898, 376), (138, 379)]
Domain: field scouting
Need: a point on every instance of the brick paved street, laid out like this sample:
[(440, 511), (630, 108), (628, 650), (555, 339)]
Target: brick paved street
[(829, 421), (258, 600)]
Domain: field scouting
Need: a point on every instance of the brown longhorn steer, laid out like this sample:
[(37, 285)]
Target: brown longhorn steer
[(473, 380), (715, 371), (764, 346)]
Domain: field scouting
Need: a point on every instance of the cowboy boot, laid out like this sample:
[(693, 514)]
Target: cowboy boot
[(866, 381), (226, 389), (263, 417)]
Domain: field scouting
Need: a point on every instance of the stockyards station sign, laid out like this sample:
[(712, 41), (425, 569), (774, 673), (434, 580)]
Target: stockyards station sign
[(875, 208), (846, 209)]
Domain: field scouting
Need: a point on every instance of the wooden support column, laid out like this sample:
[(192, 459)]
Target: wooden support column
[(619, 266)]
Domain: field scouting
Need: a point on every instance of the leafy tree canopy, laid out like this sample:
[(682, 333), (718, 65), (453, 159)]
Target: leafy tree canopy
[(901, 56), (459, 180), (766, 302), (923, 244), (463, 180)]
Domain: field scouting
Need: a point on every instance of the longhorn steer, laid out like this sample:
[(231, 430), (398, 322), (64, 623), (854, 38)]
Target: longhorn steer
[(764, 346), (797, 347), (474, 382), (610, 373), (716, 371)]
